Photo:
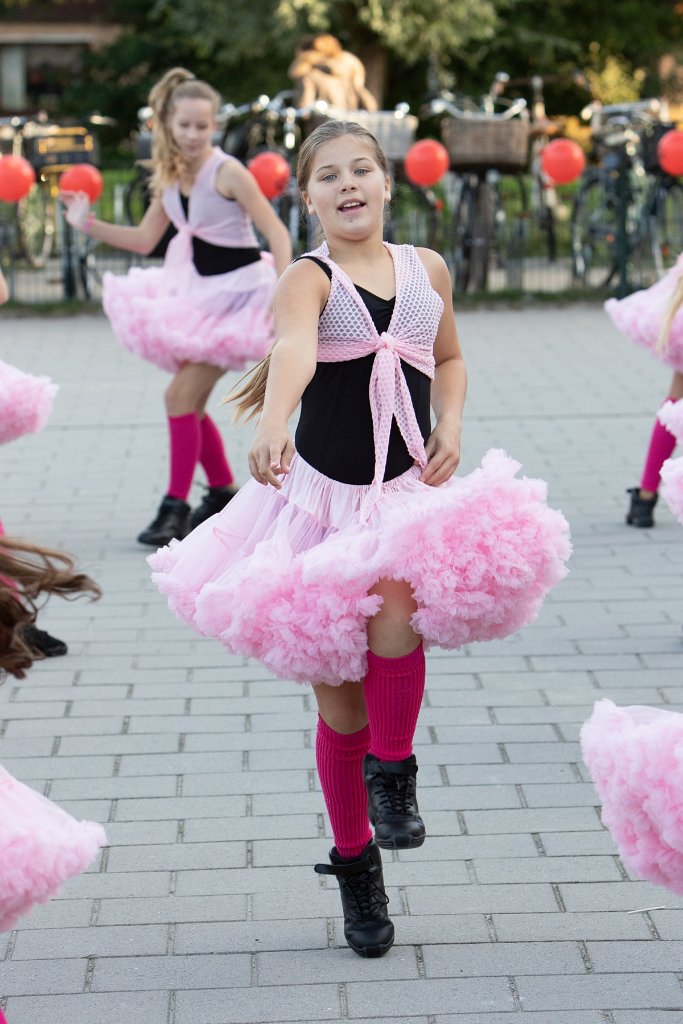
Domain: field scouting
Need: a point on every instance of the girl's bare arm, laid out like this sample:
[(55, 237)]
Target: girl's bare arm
[(299, 298), (235, 182)]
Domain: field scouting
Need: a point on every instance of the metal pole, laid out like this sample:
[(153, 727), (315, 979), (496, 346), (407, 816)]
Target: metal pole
[(622, 232)]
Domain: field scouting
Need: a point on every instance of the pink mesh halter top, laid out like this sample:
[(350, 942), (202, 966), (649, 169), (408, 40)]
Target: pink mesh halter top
[(346, 331), (211, 216)]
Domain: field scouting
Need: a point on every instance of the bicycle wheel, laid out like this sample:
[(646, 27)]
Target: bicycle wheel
[(462, 237), (595, 231), (37, 225), (666, 225), (482, 231)]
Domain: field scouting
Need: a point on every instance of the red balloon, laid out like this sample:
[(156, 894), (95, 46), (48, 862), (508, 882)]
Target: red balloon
[(16, 178), (670, 152), (562, 161), (272, 173), (426, 162), (82, 178)]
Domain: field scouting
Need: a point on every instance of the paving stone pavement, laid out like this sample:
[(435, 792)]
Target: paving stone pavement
[(205, 908)]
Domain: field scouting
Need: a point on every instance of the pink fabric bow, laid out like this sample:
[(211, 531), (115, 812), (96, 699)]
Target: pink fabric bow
[(389, 397)]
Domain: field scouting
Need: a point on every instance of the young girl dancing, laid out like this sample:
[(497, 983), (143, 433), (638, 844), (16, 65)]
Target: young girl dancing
[(40, 844), (207, 310), (338, 562), (653, 318)]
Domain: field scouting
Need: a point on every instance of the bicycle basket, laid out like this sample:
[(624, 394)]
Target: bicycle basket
[(57, 148), (395, 132), (649, 140), (484, 143)]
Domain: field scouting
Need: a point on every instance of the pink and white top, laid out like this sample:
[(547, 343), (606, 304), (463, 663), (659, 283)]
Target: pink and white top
[(211, 216), (346, 331)]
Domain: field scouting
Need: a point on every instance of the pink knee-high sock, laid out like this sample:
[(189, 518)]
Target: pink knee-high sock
[(212, 454), (185, 444), (339, 759), (393, 695), (662, 444)]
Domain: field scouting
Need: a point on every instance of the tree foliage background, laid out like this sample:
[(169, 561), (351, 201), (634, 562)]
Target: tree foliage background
[(409, 46)]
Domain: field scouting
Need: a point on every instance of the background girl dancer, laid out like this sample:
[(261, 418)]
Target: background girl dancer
[(207, 309), (336, 561), (653, 318)]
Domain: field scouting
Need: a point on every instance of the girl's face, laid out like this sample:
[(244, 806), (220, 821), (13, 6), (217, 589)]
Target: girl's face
[(192, 124), (347, 189)]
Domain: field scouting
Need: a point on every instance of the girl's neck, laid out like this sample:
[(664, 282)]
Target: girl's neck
[(192, 169), (346, 252)]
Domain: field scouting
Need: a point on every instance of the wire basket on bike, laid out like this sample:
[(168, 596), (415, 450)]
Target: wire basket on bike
[(483, 141), (393, 129)]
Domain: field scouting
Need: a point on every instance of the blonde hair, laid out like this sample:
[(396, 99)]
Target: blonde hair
[(251, 395), (177, 84), (675, 303), (27, 572)]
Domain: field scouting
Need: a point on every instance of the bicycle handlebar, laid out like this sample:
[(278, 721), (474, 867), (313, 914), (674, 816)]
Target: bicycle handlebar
[(515, 108)]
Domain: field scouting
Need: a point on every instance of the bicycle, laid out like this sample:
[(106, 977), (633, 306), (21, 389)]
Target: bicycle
[(50, 148), (627, 212), (484, 144)]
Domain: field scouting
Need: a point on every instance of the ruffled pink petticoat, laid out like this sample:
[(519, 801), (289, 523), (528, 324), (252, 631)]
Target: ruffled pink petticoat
[(40, 847), (671, 416), (283, 576), (640, 317), (172, 315), (635, 757), (25, 402)]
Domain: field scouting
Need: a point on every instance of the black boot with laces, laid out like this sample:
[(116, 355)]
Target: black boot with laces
[(215, 500), (367, 927), (171, 522), (392, 802), (641, 510)]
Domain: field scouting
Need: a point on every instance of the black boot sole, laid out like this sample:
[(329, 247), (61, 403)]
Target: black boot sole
[(400, 842), (371, 952)]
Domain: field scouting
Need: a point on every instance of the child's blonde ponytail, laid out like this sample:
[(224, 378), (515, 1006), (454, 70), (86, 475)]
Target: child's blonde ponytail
[(251, 396)]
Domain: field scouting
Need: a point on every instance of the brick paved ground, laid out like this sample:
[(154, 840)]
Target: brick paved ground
[(205, 909)]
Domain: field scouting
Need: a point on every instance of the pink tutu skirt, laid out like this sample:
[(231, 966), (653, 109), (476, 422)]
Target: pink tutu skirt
[(283, 576), (25, 402), (40, 847), (635, 757), (640, 317), (175, 316), (671, 416)]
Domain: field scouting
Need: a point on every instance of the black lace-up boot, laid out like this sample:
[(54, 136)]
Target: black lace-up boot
[(171, 522), (367, 927), (40, 642), (215, 500), (641, 511), (392, 802)]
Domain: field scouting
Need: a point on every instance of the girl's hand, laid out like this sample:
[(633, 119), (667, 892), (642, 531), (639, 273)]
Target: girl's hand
[(270, 455), (77, 208), (443, 454)]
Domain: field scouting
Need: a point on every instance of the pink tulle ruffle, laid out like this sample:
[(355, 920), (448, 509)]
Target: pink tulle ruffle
[(640, 317), (40, 847), (25, 402), (671, 415), (173, 318), (284, 576), (635, 757)]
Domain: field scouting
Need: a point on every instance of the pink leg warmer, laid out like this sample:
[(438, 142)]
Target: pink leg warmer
[(393, 695), (184, 437), (662, 444), (339, 759), (212, 454)]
